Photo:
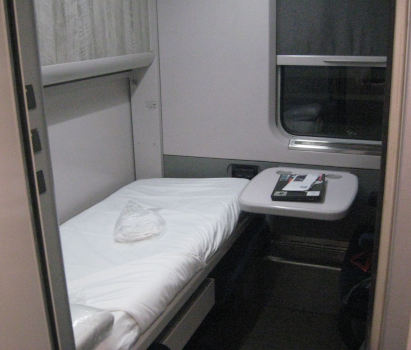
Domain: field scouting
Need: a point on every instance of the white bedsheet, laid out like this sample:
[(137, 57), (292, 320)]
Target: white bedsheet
[(124, 334), (141, 278), (90, 325)]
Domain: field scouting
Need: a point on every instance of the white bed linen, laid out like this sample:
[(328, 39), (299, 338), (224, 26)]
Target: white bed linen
[(142, 288), (90, 325), (124, 333), (141, 278)]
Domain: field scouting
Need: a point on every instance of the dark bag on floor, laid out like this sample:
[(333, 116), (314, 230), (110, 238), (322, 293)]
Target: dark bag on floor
[(355, 284)]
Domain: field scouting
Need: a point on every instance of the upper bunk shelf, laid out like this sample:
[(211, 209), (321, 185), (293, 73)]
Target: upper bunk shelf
[(65, 72), (80, 39)]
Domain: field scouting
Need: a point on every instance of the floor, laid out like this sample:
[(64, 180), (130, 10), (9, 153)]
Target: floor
[(277, 307)]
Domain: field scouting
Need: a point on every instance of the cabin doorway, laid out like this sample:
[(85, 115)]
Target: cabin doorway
[(291, 292)]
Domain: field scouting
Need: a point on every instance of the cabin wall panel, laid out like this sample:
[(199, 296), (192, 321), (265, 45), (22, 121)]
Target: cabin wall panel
[(91, 143), (216, 72), (146, 110)]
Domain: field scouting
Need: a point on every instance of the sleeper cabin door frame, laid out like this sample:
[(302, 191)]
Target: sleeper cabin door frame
[(23, 315), (41, 267), (390, 326), (25, 60)]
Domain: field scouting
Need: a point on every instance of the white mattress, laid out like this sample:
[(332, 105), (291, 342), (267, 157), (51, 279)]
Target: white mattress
[(138, 280)]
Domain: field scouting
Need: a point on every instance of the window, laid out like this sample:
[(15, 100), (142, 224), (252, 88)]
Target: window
[(331, 58), (337, 102)]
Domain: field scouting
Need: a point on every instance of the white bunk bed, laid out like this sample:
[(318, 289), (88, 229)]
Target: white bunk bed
[(135, 289)]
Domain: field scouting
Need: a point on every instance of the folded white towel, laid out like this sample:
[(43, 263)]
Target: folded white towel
[(136, 223), (90, 325)]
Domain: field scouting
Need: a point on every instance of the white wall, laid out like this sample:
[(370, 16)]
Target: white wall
[(215, 78), (91, 145), (104, 132), (146, 110)]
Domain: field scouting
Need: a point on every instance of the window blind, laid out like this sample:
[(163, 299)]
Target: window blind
[(333, 27)]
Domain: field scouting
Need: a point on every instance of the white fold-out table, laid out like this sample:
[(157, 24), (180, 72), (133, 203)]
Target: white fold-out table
[(340, 191)]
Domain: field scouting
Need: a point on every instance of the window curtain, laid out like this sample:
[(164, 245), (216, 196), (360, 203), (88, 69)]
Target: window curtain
[(77, 30), (333, 27)]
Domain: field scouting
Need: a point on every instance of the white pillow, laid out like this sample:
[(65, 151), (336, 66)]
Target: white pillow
[(136, 223)]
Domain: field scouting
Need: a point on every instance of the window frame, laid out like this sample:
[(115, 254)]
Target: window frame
[(317, 143)]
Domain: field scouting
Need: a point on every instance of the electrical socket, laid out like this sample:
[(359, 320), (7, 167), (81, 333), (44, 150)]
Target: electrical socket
[(244, 171)]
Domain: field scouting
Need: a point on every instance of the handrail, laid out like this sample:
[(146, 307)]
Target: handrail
[(320, 60), (360, 60), (372, 148)]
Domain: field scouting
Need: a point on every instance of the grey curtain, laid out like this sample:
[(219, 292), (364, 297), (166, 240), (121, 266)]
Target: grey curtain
[(333, 27), (76, 30)]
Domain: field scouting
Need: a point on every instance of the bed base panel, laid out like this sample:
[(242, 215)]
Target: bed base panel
[(154, 331), (183, 326)]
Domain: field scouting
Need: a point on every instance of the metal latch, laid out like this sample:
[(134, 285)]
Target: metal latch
[(35, 140), (30, 97), (41, 182)]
